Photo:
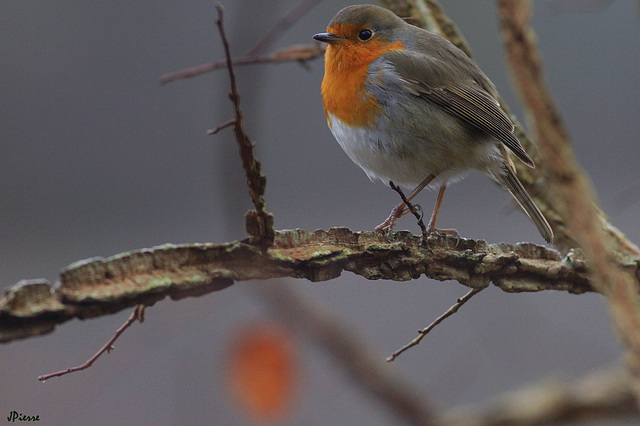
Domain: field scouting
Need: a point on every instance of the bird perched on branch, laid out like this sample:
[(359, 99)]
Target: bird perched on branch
[(409, 107)]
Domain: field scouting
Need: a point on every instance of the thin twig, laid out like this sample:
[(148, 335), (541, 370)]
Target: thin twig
[(222, 126), (298, 52), (283, 25), (258, 222), (421, 333), (413, 210), (136, 315)]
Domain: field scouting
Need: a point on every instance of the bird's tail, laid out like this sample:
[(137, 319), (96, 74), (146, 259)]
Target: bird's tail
[(513, 185)]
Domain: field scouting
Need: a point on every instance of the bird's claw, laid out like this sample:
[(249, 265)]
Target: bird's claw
[(386, 227)]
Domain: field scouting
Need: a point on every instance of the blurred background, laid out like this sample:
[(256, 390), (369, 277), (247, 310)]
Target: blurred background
[(97, 158)]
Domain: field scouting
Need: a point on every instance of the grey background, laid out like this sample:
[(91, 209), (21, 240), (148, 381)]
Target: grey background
[(97, 158)]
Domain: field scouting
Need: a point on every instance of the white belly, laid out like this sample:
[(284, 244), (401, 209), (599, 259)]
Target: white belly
[(411, 163), (373, 154), (359, 145)]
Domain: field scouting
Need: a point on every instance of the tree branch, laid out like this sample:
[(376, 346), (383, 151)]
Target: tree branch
[(258, 222), (605, 395), (569, 189), (98, 286)]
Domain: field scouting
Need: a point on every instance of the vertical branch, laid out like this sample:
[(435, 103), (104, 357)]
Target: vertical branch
[(428, 14), (258, 222), (573, 197)]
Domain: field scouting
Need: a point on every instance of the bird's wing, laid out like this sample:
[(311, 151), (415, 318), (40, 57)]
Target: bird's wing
[(429, 78)]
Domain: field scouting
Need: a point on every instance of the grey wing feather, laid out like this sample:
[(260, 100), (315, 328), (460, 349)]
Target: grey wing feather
[(479, 109), (472, 102)]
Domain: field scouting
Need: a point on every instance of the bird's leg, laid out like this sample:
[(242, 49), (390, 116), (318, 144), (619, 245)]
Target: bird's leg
[(400, 209), (431, 226)]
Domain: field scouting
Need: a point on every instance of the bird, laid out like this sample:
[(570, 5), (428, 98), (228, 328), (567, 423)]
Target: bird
[(409, 107)]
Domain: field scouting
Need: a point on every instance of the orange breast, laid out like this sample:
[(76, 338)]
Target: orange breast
[(343, 86)]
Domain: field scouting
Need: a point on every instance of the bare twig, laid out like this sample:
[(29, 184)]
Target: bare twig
[(349, 352), (413, 210), (283, 25), (421, 333), (299, 52), (222, 126), (136, 315), (258, 222)]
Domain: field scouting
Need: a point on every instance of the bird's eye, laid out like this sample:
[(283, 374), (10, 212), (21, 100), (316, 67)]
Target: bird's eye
[(365, 35)]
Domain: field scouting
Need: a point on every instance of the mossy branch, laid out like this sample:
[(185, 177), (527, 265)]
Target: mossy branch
[(97, 286)]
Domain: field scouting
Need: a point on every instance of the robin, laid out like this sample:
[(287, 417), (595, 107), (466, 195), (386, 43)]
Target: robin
[(409, 107)]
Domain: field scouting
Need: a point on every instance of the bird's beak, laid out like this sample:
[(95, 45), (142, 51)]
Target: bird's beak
[(328, 38)]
